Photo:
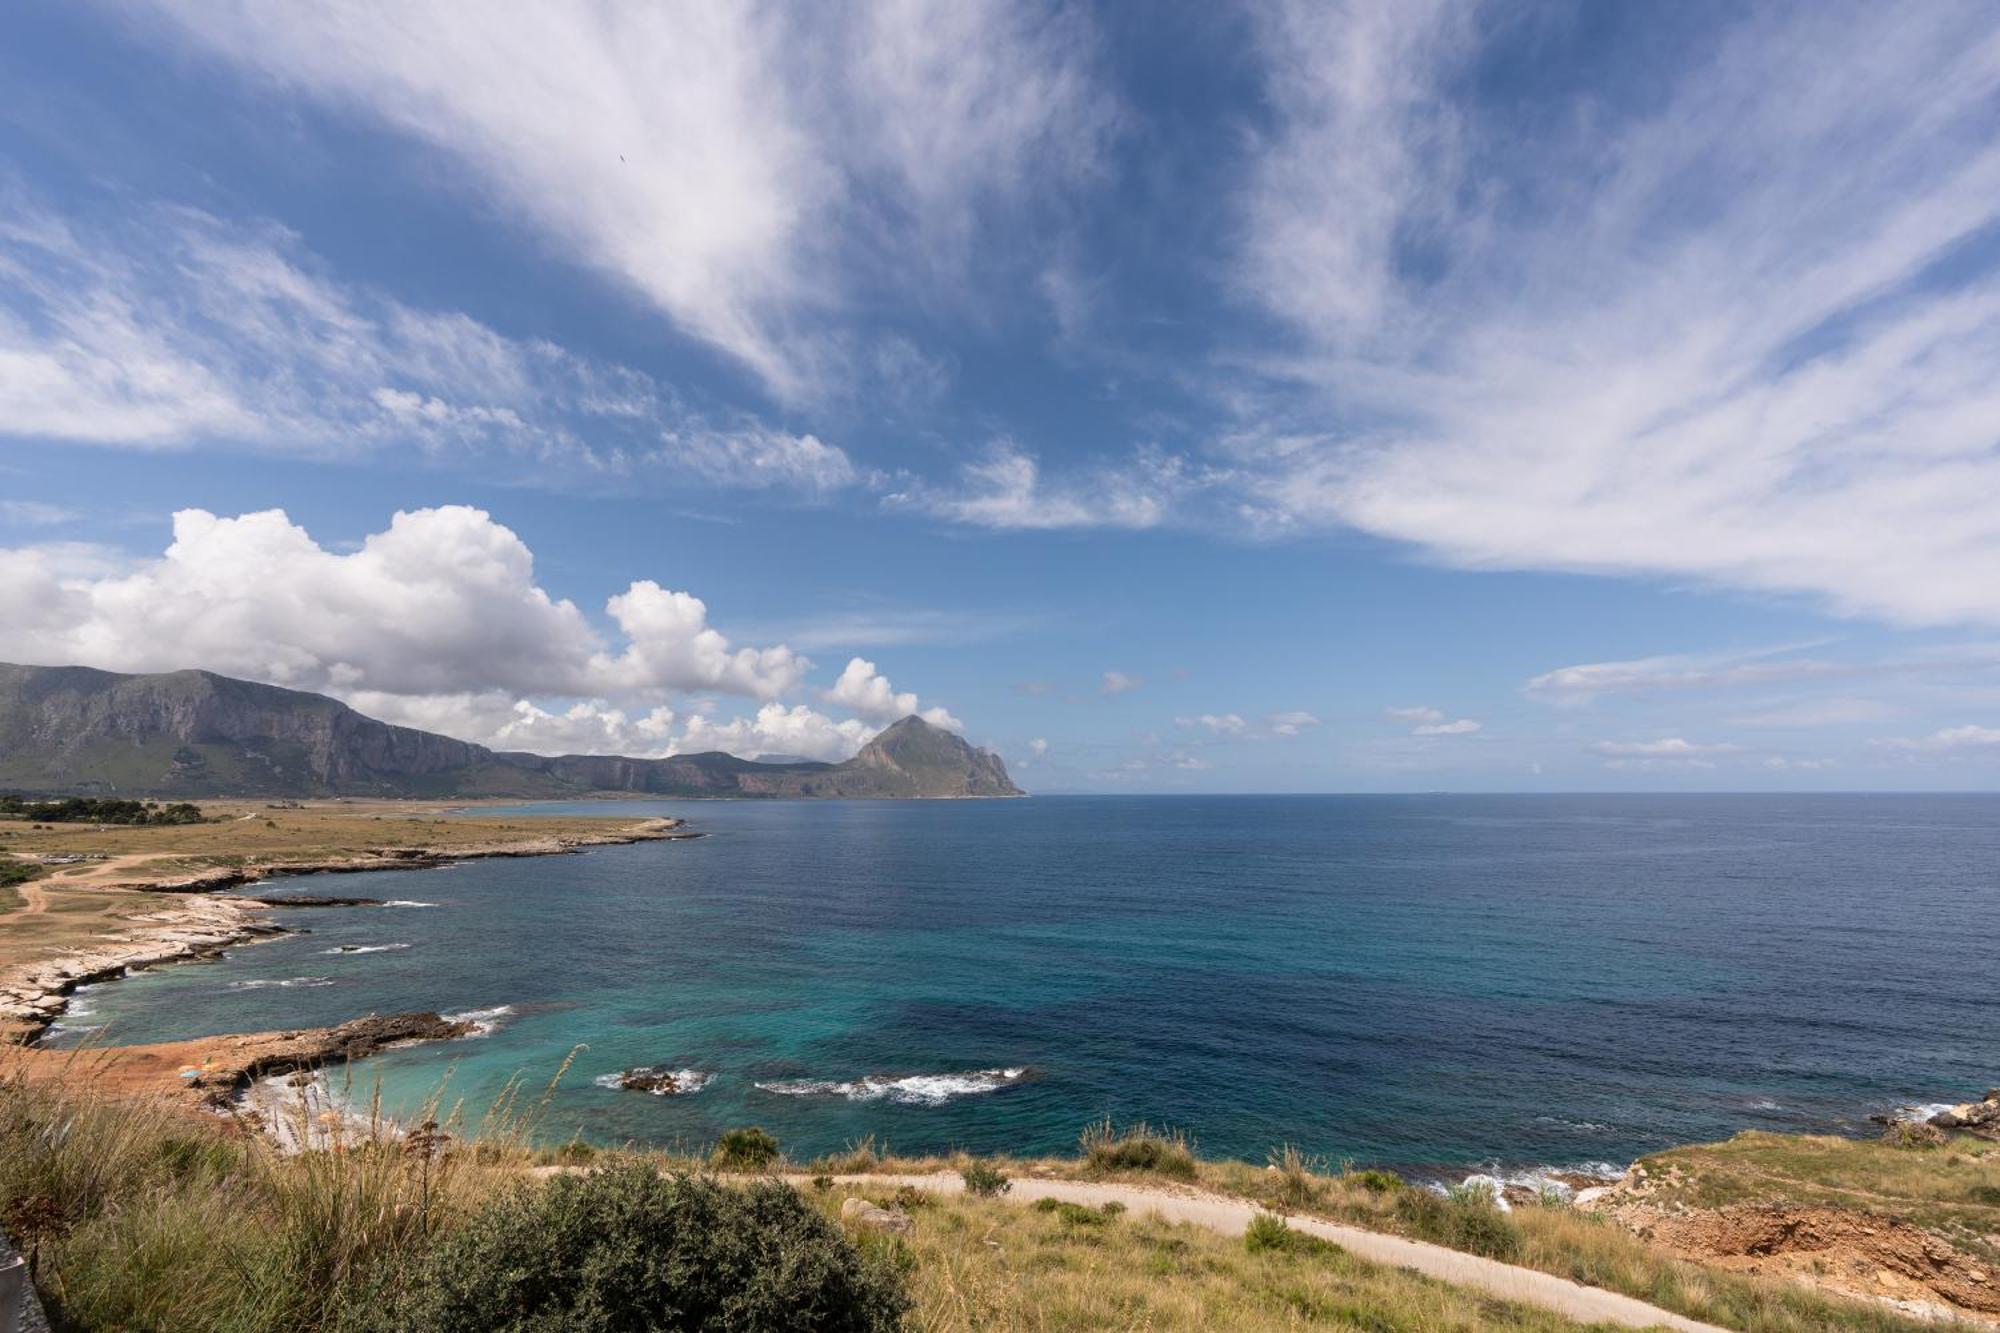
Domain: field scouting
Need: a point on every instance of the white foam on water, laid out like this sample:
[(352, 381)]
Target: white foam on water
[(1924, 1112), (287, 984), (686, 1081), (484, 1021), (908, 1090), (363, 948), (406, 902)]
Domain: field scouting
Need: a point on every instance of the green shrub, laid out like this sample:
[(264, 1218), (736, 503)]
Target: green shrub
[(748, 1149), (1139, 1148), (1466, 1219), (985, 1180), (627, 1248), (1075, 1214), (1270, 1234), (1376, 1182)]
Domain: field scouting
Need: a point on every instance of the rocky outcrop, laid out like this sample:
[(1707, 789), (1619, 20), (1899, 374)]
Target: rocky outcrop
[(194, 733), (33, 994), (1981, 1117), (264, 1055), (865, 1216)]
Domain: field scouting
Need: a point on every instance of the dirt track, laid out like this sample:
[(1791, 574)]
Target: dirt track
[(1230, 1217)]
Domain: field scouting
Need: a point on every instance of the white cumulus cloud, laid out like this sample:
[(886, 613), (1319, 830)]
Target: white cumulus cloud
[(868, 693)]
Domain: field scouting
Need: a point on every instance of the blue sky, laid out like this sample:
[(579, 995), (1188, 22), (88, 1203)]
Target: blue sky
[(1178, 398)]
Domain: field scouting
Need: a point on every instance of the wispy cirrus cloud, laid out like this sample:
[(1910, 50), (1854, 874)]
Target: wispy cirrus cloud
[(172, 328), (1005, 487), (749, 170), (1970, 738), (1739, 332)]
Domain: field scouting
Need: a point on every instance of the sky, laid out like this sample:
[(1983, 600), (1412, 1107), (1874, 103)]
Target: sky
[(1375, 396)]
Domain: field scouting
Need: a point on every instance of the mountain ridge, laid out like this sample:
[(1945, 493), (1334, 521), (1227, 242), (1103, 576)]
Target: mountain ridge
[(199, 733)]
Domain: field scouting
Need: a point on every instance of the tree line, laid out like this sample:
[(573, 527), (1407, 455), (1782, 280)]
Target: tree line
[(95, 810)]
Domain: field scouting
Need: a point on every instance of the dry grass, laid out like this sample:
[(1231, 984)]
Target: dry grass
[(246, 832), (991, 1265)]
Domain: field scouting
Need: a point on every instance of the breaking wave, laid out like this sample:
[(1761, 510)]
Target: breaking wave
[(287, 984), (909, 1089), (485, 1022), (363, 948), (406, 902)]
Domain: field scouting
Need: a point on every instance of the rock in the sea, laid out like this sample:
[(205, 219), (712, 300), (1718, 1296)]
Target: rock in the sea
[(865, 1216), (656, 1079), (1981, 1117)]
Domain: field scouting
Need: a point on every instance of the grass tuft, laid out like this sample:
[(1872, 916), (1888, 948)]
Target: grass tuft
[(1138, 1148)]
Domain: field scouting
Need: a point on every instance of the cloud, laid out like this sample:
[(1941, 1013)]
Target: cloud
[(868, 693), (498, 719), (1783, 764), (1691, 671), (1433, 722), (1671, 747), (1119, 682), (1738, 330), (719, 162), (1234, 726), (1816, 713), (175, 329), (776, 729), (889, 627), (436, 622), (442, 601), (1004, 488), (36, 513), (1968, 738), (1290, 724)]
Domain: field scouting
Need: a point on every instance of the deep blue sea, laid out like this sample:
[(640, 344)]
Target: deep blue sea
[(1415, 980)]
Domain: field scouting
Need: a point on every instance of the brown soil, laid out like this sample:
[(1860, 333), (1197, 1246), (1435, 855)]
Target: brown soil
[(1854, 1253)]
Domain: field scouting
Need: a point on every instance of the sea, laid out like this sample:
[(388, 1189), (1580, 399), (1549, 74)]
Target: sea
[(1509, 983)]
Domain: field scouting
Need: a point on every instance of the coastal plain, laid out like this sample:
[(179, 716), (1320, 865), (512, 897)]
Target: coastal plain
[(106, 898)]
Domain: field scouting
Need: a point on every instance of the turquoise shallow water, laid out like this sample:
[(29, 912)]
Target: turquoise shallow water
[(1413, 980)]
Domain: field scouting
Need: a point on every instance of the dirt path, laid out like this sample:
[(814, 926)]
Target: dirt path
[(34, 901), (1230, 1217)]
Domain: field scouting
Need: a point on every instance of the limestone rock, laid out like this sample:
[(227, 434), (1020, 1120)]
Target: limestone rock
[(865, 1216)]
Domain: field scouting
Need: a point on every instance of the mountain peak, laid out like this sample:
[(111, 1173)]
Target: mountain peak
[(197, 733), (931, 761)]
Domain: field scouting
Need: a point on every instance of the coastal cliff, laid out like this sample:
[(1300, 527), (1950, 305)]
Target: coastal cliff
[(195, 733)]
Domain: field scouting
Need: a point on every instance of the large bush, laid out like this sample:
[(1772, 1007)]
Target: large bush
[(626, 1249)]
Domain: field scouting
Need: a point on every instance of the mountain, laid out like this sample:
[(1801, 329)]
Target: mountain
[(194, 733)]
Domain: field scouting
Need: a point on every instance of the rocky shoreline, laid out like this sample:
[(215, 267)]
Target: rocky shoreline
[(34, 994)]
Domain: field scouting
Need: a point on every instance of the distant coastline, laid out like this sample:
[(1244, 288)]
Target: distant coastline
[(202, 923)]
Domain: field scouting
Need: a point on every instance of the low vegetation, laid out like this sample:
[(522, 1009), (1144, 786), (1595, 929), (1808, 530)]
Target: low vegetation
[(93, 810), (631, 1248), (136, 1217), (1139, 1148)]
